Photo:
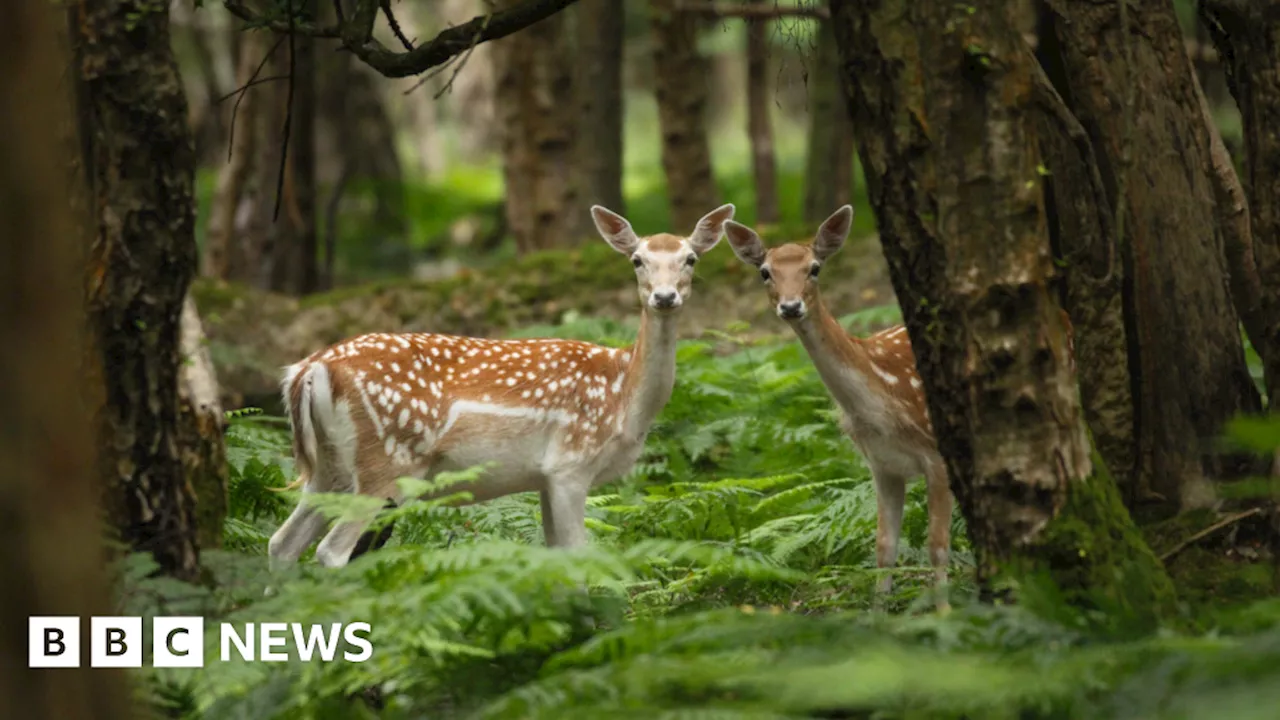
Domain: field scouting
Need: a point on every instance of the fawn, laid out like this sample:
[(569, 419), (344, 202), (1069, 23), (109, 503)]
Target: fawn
[(874, 382), (556, 416)]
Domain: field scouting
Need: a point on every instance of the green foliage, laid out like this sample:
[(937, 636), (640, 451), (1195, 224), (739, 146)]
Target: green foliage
[(729, 575)]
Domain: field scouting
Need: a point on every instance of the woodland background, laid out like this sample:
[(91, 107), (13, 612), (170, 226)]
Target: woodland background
[(219, 189)]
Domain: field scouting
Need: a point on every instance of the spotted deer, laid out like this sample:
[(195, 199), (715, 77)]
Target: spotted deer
[(554, 416), (874, 382)]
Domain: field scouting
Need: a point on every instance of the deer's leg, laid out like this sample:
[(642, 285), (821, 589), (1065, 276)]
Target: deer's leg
[(891, 498), (373, 541), (940, 503), (336, 547), (548, 521), (567, 499), (296, 534)]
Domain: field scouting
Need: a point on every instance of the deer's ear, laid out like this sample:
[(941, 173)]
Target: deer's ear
[(710, 228), (746, 244), (615, 230), (832, 233)]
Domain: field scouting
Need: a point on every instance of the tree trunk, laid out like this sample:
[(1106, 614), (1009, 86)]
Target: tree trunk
[(680, 85), (1186, 358), (200, 429), (944, 116), (599, 84), (1082, 235), (140, 173), (828, 177), (50, 540), (1247, 36), (764, 167), (535, 79)]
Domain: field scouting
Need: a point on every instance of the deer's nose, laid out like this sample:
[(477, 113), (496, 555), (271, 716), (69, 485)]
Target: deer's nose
[(791, 309), (665, 299)]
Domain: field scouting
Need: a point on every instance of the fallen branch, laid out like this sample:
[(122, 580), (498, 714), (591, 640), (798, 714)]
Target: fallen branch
[(1209, 531)]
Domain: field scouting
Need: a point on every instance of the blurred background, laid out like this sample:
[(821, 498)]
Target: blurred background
[(457, 201)]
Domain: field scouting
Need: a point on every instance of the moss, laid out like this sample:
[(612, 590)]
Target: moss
[(1098, 560), (1211, 579)]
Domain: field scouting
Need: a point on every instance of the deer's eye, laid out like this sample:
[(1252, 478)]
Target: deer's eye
[(764, 274), (813, 271), (691, 260), (635, 260)]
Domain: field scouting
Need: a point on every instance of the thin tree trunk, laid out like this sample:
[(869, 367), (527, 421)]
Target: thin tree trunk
[(200, 429), (601, 33), (535, 81), (50, 540), (1186, 356), (680, 85), (828, 178), (944, 103), (764, 165), (140, 174), (1247, 36)]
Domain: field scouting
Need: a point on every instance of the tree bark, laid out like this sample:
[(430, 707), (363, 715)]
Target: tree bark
[(201, 426), (537, 116), (1247, 36), (1186, 357), (50, 538), (140, 173), (599, 84), (764, 166), (828, 178), (680, 85), (944, 117), (1082, 235)]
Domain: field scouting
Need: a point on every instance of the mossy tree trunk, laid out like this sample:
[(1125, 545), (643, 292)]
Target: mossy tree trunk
[(50, 539), (538, 119), (1247, 36), (828, 177), (600, 31), (1134, 93), (140, 171), (680, 76), (944, 104)]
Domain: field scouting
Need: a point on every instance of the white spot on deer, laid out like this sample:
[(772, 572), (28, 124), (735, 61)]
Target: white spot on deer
[(889, 378), (915, 383), (404, 417)]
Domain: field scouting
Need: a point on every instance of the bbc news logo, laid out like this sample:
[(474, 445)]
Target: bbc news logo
[(54, 641)]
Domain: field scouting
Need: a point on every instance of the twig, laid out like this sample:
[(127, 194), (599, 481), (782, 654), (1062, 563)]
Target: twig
[(758, 11), (1209, 531), (246, 86), (288, 117), (395, 26), (235, 109)]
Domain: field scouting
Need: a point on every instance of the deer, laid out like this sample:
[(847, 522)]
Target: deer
[(559, 417), (872, 380)]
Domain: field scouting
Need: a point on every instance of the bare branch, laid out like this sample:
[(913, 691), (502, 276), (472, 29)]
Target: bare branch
[(755, 11), (395, 25), (356, 33)]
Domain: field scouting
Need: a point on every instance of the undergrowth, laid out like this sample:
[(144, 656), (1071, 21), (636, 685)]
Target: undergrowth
[(729, 575)]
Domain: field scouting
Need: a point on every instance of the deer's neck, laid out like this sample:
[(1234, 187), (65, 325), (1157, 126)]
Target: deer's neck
[(841, 361), (651, 373)]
